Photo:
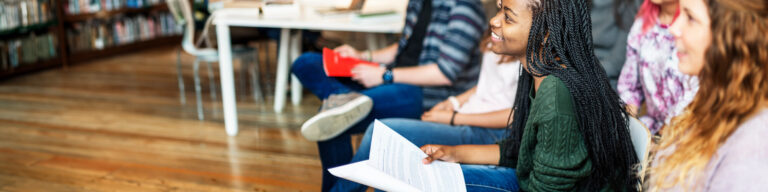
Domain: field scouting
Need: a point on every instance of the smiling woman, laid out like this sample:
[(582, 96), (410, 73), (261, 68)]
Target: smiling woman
[(718, 144), (569, 131)]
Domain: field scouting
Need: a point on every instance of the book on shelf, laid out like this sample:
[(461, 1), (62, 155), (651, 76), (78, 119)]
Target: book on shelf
[(74, 7), (21, 13), (26, 50), (336, 65), (395, 164), (121, 30)]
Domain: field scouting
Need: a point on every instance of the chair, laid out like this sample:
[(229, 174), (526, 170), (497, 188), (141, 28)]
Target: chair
[(182, 11), (641, 140)]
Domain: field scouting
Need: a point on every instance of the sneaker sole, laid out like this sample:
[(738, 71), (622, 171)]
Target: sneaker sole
[(331, 123)]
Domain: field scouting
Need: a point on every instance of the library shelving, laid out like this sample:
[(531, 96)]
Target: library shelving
[(42, 34)]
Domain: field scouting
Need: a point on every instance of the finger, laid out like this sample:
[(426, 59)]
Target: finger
[(427, 160), (438, 154), (424, 148)]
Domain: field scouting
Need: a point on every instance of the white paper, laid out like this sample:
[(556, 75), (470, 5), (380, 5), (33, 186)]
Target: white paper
[(392, 157), (362, 172)]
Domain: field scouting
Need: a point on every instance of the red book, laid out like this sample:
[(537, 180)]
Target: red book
[(337, 66)]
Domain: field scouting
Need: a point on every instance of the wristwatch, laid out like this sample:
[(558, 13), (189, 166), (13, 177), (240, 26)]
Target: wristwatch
[(387, 77)]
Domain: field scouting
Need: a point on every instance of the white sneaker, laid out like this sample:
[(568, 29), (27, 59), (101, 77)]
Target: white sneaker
[(338, 113)]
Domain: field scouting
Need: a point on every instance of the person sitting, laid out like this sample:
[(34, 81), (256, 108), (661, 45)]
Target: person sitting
[(718, 143), (650, 74), (477, 116), (570, 129), (436, 57)]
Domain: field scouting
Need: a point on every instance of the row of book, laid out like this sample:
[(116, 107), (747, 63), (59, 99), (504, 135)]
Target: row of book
[(98, 34), (20, 13), (91, 6), (27, 50)]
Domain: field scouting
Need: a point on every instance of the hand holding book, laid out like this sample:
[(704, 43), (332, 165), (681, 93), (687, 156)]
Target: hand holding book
[(338, 65)]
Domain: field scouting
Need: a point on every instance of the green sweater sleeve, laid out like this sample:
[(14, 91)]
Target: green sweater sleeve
[(553, 153)]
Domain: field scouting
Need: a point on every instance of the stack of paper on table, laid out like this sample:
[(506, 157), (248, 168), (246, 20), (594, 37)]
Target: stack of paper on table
[(395, 164)]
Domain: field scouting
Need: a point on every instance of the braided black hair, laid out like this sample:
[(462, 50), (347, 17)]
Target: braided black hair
[(560, 44)]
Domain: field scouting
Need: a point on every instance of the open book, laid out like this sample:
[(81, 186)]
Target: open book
[(337, 66), (395, 164)]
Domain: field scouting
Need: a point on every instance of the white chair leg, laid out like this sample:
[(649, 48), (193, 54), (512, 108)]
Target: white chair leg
[(182, 93), (255, 86), (197, 90), (268, 75), (243, 72), (212, 81)]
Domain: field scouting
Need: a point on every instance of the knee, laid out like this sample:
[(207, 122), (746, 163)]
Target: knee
[(307, 63), (400, 125)]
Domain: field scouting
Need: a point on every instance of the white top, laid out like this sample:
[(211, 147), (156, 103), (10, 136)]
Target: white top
[(496, 87)]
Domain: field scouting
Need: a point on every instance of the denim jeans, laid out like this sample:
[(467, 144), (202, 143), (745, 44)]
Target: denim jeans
[(482, 178), (421, 133), (389, 100)]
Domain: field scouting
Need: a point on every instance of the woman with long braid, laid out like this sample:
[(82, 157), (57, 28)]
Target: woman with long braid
[(569, 131), (719, 142)]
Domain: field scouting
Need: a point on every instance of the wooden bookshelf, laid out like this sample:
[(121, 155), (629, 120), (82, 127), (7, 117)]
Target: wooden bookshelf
[(30, 67), (22, 31), (112, 13), (125, 48), (18, 31), (64, 22), (81, 56)]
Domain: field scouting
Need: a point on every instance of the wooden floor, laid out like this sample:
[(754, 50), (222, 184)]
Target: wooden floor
[(117, 125)]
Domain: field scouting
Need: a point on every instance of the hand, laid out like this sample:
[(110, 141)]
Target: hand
[(443, 106), (443, 117), (439, 152), (632, 110), (348, 51), (368, 76)]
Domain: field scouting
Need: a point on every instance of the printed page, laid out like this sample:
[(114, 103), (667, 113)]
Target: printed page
[(396, 156), (362, 172)]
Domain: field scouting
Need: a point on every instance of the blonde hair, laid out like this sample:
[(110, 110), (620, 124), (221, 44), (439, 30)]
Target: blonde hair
[(733, 87)]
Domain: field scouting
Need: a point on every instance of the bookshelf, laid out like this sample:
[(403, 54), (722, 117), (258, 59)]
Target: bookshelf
[(80, 33), (112, 13), (31, 67), (28, 36), (95, 54), (115, 27)]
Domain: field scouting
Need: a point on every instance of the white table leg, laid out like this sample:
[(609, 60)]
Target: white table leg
[(372, 40), (295, 83), (282, 70), (227, 79)]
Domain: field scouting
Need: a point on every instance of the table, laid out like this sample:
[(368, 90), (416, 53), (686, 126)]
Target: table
[(290, 43)]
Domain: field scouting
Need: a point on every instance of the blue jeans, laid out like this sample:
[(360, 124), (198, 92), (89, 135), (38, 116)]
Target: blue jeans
[(489, 178), (390, 100), (422, 133)]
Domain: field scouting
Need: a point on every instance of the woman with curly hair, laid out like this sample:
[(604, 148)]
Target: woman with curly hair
[(719, 142)]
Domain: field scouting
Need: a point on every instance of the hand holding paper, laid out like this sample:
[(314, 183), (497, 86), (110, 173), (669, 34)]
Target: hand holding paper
[(395, 164)]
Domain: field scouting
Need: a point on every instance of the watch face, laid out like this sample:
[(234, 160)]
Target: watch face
[(387, 77)]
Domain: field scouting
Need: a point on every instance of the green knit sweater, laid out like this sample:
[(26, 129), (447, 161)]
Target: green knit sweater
[(553, 155)]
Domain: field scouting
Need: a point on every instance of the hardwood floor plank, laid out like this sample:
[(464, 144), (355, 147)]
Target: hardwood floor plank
[(117, 125)]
